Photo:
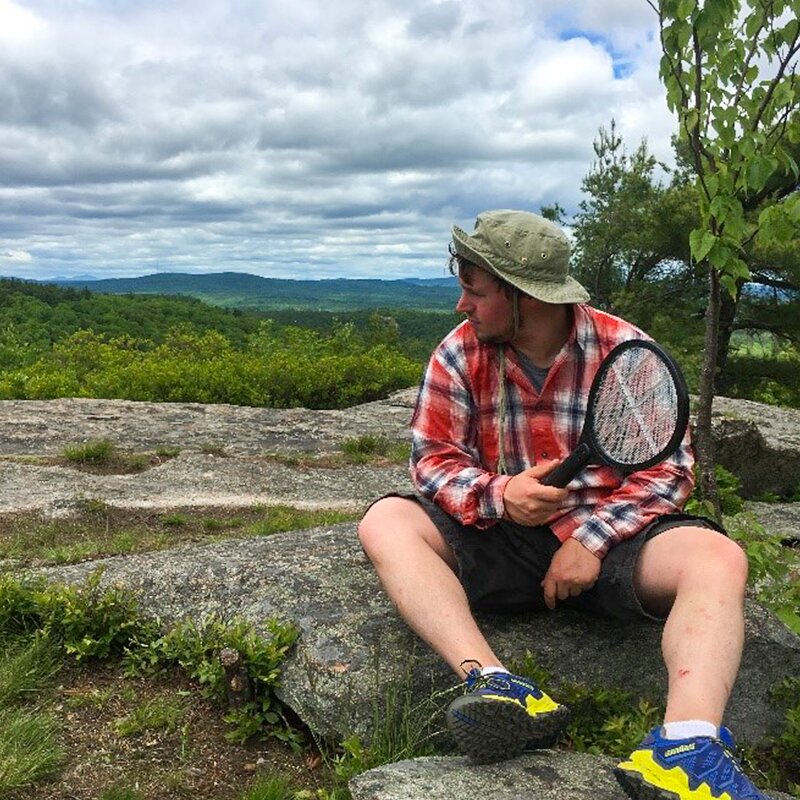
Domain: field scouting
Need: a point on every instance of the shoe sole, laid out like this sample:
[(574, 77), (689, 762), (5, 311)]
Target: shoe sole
[(489, 730), (637, 788)]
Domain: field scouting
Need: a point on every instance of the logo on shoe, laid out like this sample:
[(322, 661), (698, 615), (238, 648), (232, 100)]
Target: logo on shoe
[(680, 749)]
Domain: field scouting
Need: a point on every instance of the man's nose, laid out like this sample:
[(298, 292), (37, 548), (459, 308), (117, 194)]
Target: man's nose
[(462, 306)]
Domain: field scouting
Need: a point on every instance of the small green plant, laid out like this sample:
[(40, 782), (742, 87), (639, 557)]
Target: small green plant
[(774, 569), (121, 793), (370, 447), (212, 449), (161, 713), (86, 622), (728, 486), (24, 668), (278, 519), (270, 787), (168, 452), (91, 698), (94, 452), (93, 505), (135, 462), (89, 622), (195, 648), (28, 736), (608, 721), (174, 520), (778, 760), (102, 455), (403, 728)]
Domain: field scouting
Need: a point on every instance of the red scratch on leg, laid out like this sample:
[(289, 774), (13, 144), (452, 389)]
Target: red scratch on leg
[(682, 673)]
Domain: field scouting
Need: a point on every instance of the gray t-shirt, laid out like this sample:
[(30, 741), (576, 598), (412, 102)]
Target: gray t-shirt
[(537, 375)]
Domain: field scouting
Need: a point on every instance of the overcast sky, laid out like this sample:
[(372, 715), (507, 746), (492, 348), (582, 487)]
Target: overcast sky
[(301, 138)]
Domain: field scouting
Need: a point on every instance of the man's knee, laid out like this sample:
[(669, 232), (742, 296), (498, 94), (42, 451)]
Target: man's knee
[(729, 560), (393, 524), (708, 556), (383, 519)]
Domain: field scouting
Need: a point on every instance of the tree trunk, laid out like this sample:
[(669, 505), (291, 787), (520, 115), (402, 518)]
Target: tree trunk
[(727, 314), (703, 441)]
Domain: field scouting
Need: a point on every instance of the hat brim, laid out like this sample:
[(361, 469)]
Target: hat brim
[(566, 291)]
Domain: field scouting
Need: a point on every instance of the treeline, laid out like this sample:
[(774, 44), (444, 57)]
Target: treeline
[(35, 316), (57, 342)]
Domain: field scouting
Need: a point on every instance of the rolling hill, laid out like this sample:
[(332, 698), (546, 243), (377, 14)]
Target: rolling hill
[(244, 291)]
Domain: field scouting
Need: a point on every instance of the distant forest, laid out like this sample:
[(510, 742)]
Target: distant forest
[(253, 293), (58, 340)]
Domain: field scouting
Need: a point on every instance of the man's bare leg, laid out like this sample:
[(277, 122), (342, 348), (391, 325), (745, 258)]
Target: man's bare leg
[(417, 569), (504, 715), (701, 574), (698, 576)]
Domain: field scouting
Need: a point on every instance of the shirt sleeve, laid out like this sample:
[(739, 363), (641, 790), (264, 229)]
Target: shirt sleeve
[(641, 498), (445, 461)]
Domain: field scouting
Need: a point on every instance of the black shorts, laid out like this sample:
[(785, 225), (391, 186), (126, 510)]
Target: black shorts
[(501, 568)]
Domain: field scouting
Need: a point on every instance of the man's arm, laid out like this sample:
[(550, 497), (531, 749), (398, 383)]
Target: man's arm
[(641, 497), (446, 465), (638, 500)]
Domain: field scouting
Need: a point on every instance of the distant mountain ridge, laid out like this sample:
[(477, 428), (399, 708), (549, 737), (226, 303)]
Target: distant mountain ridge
[(242, 290)]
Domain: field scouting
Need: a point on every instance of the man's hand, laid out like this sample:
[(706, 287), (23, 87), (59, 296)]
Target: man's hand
[(529, 502), (572, 570)]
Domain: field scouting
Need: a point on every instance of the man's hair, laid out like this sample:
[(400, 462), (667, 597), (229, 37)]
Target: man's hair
[(462, 268)]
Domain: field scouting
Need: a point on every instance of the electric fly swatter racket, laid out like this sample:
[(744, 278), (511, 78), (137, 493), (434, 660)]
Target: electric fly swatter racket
[(636, 415)]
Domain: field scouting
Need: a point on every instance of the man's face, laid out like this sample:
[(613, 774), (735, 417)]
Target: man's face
[(488, 308)]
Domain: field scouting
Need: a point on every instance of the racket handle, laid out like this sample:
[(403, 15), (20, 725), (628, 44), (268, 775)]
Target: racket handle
[(569, 467)]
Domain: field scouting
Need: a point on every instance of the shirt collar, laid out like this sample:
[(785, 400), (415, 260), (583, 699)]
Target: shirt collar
[(582, 328)]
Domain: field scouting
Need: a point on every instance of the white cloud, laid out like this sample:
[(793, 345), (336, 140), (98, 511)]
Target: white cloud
[(16, 257), (286, 137)]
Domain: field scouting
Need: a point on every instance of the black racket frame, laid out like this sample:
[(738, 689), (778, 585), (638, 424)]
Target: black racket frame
[(588, 450)]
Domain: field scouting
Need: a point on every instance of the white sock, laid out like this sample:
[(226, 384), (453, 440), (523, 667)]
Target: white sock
[(492, 670), (688, 728)]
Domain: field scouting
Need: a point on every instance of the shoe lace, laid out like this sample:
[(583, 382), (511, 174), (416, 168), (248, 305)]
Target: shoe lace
[(737, 776), (477, 666)]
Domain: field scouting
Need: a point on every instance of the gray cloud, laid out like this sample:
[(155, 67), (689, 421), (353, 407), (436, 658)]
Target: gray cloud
[(299, 138)]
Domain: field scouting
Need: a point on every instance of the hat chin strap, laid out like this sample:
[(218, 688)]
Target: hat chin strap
[(514, 314), (501, 422)]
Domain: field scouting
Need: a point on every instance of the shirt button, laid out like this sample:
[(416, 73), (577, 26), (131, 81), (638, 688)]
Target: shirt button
[(544, 454)]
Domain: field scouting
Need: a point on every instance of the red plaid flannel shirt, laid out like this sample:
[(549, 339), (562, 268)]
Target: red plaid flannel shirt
[(455, 451)]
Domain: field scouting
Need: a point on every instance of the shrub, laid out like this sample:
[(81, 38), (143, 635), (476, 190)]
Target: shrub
[(86, 622), (281, 369)]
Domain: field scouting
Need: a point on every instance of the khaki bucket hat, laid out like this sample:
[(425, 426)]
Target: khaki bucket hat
[(524, 249)]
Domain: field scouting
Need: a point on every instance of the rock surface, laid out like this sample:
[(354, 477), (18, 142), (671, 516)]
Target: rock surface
[(45, 427), (225, 452), (546, 775), (760, 444), (354, 650)]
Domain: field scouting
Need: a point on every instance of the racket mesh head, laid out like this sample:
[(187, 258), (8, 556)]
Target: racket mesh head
[(635, 410)]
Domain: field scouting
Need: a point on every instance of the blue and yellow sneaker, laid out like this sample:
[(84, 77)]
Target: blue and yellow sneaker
[(701, 768), (502, 715)]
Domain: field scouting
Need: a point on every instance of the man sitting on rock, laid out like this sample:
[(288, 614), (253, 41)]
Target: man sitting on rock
[(503, 399)]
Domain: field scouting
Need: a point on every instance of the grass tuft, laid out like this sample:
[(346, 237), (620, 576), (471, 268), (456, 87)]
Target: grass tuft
[(270, 787), (28, 747), (24, 670), (370, 448), (159, 714), (96, 452)]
